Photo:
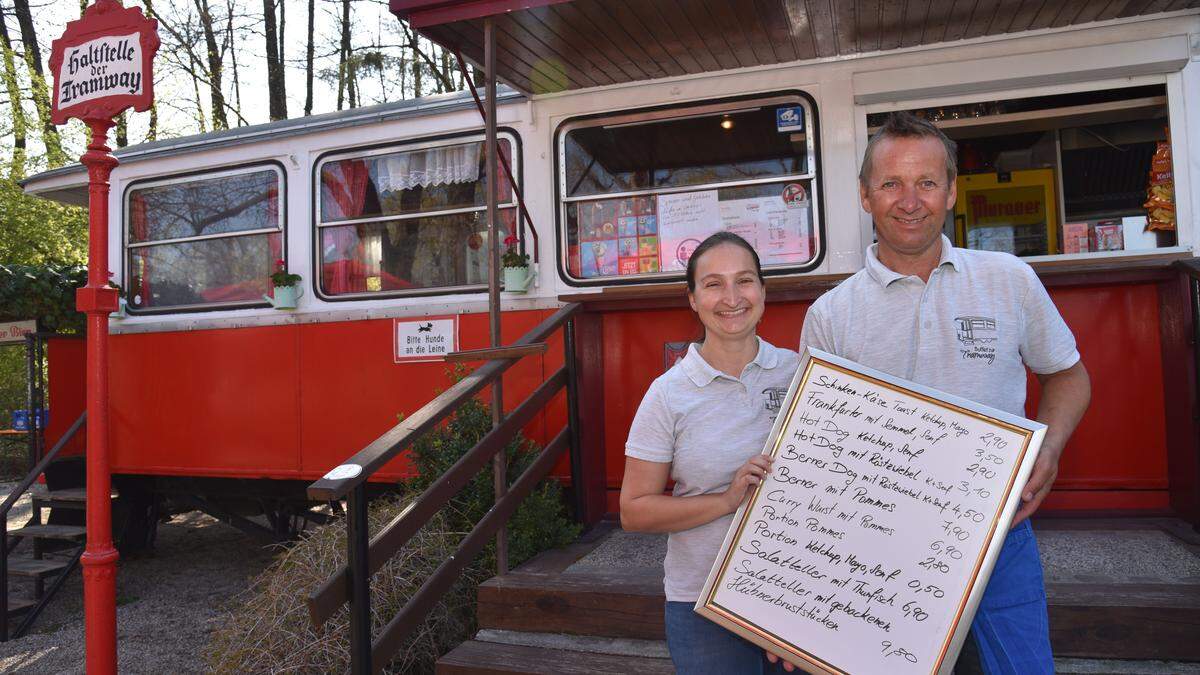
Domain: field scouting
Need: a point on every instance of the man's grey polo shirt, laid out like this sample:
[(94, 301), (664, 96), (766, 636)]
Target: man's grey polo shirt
[(707, 425), (969, 331)]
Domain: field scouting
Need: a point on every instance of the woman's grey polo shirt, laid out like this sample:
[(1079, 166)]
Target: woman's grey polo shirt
[(707, 424), (969, 331)]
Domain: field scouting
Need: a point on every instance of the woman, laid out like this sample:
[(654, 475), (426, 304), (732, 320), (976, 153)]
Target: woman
[(703, 424)]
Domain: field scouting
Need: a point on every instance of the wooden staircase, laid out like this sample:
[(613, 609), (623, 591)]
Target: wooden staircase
[(41, 556), (36, 559), (554, 616)]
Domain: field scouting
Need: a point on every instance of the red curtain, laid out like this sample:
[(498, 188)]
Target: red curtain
[(343, 193), (139, 232)]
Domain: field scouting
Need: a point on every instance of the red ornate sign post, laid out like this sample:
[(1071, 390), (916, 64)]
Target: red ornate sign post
[(101, 65)]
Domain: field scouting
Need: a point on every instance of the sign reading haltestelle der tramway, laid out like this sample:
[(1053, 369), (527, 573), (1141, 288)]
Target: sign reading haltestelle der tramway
[(869, 545), (105, 66)]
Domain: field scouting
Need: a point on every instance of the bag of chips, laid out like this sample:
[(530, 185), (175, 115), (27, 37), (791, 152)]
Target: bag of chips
[(1160, 193)]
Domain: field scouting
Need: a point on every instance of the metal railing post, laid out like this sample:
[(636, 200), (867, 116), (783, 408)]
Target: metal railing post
[(500, 464), (31, 358), (4, 578), (357, 541), (573, 420), (1194, 287)]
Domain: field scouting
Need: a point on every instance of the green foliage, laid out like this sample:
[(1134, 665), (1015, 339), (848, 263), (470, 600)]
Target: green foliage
[(36, 231), (539, 523), (281, 278), (45, 293)]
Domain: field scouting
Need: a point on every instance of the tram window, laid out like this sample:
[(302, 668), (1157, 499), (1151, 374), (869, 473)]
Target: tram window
[(202, 241), (412, 220), (639, 190), (1080, 173)]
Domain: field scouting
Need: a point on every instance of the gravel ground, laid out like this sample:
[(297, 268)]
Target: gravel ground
[(167, 601)]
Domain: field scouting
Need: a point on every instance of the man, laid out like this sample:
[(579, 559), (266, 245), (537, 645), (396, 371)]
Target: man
[(918, 310)]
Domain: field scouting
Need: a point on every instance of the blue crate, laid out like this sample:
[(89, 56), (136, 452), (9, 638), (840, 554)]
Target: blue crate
[(22, 418)]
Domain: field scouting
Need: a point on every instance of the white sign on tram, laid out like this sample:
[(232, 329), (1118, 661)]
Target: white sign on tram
[(426, 338)]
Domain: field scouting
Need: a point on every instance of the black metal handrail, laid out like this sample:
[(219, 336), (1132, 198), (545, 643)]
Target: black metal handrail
[(366, 555), (13, 497)]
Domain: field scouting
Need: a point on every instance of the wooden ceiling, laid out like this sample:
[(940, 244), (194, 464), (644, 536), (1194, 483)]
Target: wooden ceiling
[(555, 45)]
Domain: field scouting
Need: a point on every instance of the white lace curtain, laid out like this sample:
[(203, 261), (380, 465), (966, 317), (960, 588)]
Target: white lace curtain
[(425, 168)]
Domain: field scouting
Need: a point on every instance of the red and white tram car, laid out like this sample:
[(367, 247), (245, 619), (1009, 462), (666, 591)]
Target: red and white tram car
[(381, 210)]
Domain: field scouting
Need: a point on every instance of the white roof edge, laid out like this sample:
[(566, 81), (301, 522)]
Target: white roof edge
[(59, 184)]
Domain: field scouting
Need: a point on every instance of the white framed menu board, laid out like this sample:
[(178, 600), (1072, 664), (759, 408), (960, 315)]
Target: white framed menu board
[(870, 543)]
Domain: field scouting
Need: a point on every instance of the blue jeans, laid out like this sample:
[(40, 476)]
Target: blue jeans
[(1011, 628), (699, 646)]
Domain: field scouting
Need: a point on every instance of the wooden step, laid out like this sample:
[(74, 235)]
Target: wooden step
[(67, 498), (28, 567), (18, 606), (490, 658), (1125, 621), (66, 532), (626, 605)]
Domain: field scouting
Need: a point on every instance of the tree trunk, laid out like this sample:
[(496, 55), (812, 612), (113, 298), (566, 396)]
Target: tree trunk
[(16, 165), (275, 83), (123, 130), (308, 61), (415, 47), (237, 80), (282, 26), (196, 87), (41, 94), (344, 55), (216, 93), (152, 132)]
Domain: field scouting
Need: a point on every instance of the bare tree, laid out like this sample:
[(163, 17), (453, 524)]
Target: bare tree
[(122, 136), (418, 56), (415, 47), (347, 80), (16, 165), (152, 131), (229, 45), (308, 60), (41, 94), (275, 76), (215, 67)]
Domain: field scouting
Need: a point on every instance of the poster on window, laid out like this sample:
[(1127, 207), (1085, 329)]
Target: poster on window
[(684, 220), (778, 233)]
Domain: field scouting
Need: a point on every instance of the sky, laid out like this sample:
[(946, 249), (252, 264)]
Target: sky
[(372, 22)]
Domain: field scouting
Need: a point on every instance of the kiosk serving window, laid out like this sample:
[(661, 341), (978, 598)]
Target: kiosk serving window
[(640, 190), (203, 241), (1075, 173), (410, 220)]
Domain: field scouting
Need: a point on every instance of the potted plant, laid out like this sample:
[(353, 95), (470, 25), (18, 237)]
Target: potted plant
[(120, 313), (287, 287), (516, 266)]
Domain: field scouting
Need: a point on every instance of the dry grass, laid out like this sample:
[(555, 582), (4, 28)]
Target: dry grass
[(270, 631)]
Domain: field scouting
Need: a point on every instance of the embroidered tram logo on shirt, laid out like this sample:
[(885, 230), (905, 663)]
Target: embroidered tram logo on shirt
[(773, 398), (976, 335)]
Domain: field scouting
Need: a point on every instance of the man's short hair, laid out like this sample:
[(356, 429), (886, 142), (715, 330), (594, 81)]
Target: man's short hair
[(907, 125)]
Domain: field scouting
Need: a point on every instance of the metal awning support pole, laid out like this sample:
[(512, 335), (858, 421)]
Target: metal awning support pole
[(500, 481)]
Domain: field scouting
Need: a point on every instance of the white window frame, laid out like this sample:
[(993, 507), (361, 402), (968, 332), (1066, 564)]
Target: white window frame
[(127, 245), (682, 111), (394, 148), (1176, 117)]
